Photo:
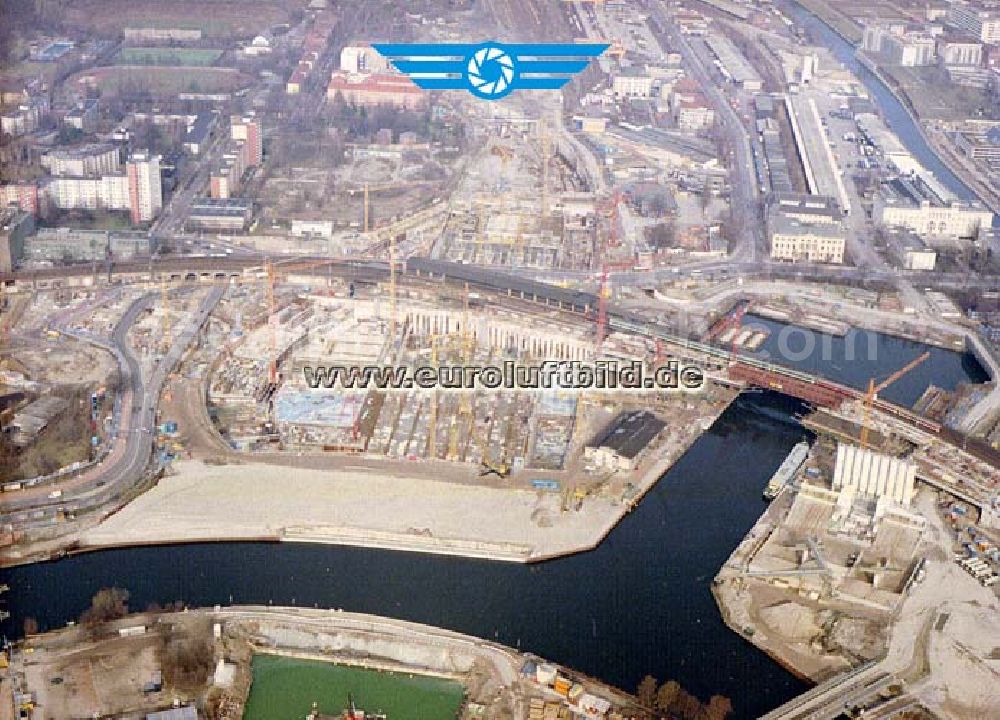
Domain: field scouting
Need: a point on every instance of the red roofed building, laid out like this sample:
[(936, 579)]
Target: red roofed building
[(396, 90)]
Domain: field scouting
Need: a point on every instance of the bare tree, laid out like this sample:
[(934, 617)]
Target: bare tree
[(667, 694), (30, 626), (108, 604), (647, 691)]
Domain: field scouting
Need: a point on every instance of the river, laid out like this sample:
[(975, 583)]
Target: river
[(639, 603), (891, 109)]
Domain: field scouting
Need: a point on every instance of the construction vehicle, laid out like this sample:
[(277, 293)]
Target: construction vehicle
[(500, 469)]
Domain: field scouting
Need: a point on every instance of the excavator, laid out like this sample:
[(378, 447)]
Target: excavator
[(500, 469)]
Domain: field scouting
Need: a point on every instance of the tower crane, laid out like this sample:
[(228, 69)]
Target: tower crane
[(604, 295), (874, 390)]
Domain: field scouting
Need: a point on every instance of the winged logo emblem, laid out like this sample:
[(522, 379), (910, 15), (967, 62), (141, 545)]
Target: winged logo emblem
[(490, 70)]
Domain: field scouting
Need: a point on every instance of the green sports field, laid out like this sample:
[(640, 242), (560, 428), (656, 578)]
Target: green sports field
[(285, 689), (167, 56)]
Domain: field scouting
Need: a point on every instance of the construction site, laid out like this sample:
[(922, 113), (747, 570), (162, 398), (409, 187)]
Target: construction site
[(859, 562), (243, 396), (243, 662)]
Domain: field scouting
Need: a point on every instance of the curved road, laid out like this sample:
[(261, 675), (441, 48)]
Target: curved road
[(128, 459)]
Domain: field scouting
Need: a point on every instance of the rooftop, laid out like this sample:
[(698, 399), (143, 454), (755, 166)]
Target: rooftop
[(785, 225), (200, 129), (221, 206), (799, 204), (906, 191), (83, 151), (630, 433)]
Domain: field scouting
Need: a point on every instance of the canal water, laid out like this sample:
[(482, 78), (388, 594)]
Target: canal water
[(861, 355), (640, 603), (891, 109)]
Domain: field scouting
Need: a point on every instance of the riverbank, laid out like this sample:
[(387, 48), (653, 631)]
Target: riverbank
[(935, 143), (827, 636), (816, 10), (363, 506), (133, 663)]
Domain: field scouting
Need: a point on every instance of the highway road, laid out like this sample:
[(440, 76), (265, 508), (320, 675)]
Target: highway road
[(124, 465)]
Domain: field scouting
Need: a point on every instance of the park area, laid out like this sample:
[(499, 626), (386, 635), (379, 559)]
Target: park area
[(285, 688), (176, 56)]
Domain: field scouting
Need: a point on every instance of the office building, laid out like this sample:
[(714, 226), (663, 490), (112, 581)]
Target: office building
[(914, 203), (796, 241), (372, 90), (806, 228), (959, 51), (632, 82), (248, 130), (65, 244), (909, 49), (223, 214)]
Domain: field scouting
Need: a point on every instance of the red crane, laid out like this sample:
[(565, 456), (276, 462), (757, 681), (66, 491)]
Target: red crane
[(602, 308)]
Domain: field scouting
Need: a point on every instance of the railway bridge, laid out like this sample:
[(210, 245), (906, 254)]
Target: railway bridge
[(743, 369)]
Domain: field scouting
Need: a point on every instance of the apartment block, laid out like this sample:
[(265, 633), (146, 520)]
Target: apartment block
[(144, 190), (15, 226), (90, 160), (979, 22)]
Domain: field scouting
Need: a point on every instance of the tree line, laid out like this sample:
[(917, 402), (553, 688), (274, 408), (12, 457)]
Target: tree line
[(673, 701)]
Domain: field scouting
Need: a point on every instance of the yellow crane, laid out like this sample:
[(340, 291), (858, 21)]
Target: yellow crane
[(465, 408), (432, 424), (874, 390)]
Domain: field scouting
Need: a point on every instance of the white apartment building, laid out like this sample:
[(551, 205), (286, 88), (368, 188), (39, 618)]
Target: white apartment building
[(961, 52), (109, 192), (145, 191), (910, 49), (87, 161), (980, 23), (632, 84), (137, 190)]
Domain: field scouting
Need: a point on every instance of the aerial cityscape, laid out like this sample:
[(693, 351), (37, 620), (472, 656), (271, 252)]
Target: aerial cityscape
[(499, 359)]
